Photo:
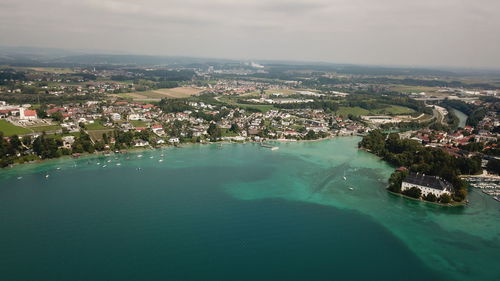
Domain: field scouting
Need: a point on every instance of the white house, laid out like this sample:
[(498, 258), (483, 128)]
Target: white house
[(427, 184), (115, 116), (173, 140)]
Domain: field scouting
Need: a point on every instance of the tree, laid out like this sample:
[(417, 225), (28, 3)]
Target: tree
[(234, 128), (214, 132), (414, 192), (493, 166), (41, 113), (445, 198), (395, 181), (430, 197), (57, 116)]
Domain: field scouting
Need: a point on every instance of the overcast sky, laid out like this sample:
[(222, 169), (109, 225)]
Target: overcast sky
[(388, 32)]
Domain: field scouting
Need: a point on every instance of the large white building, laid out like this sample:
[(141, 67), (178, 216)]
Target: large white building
[(427, 184)]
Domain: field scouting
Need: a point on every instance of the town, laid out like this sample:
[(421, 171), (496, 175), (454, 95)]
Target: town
[(50, 112)]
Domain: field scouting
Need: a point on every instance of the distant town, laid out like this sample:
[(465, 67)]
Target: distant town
[(51, 110)]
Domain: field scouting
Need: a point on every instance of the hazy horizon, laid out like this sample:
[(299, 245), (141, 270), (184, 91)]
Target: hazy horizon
[(426, 33)]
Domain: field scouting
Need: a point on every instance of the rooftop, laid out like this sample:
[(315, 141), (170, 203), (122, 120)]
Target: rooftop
[(428, 181)]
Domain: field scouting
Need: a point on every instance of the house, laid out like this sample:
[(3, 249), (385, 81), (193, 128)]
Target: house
[(26, 114), (427, 184), (173, 140), (140, 143), (68, 141), (115, 116)]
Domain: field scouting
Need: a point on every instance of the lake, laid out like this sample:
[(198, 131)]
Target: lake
[(308, 211)]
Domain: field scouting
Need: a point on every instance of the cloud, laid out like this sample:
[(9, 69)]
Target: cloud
[(428, 32)]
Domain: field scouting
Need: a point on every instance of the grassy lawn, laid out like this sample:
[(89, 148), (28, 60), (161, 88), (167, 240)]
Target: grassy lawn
[(138, 123), (344, 111), (97, 134), (8, 129), (394, 109), (97, 125)]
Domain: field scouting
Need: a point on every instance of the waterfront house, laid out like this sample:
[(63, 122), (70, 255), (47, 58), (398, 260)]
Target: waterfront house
[(427, 184)]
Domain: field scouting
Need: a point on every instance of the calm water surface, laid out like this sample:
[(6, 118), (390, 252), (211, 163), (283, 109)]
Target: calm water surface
[(240, 212)]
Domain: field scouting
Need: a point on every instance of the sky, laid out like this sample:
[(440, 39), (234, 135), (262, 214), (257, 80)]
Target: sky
[(463, 33)]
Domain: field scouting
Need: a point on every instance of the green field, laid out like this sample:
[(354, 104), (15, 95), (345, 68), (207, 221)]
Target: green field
[(97, 125), (44, 128), (8, 129), (390, 110), (412, 89), (260, 107), (138, 123), (97, 134)]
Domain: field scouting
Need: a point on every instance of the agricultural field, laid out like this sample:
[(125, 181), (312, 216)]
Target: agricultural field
[(390, 110), (9, 129), (258, 107), (412, 89), (172, 93)]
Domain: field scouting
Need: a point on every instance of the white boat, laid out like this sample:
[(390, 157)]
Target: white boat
[(19, 178), (345, 178), (98, 163), (139, 156), (161, 160), (162, 155), (118, 164), (46, 176), (350, 188), (58, 168), (109, 161), (151, 157), (104, 166)]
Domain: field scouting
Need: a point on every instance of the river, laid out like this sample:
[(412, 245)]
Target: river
[(462, 117), (236, 212)]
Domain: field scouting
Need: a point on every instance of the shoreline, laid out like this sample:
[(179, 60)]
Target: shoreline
[(456, 204), (139, 149)]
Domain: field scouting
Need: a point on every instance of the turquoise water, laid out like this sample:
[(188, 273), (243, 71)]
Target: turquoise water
[(240, 212)]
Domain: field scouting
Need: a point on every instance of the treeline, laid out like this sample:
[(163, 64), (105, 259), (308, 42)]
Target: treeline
[(35, 98), (6, 76), (420, 159), (25, 149)]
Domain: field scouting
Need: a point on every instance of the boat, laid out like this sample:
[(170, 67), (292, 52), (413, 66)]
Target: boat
[(58, 168), (98, 163), (269, 146), (109, 161), (151, 157), (118, 164), (345, 178), (139, 156), (161, 160), (104, 166), (46, 176), (350, 188), (19, 178)]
